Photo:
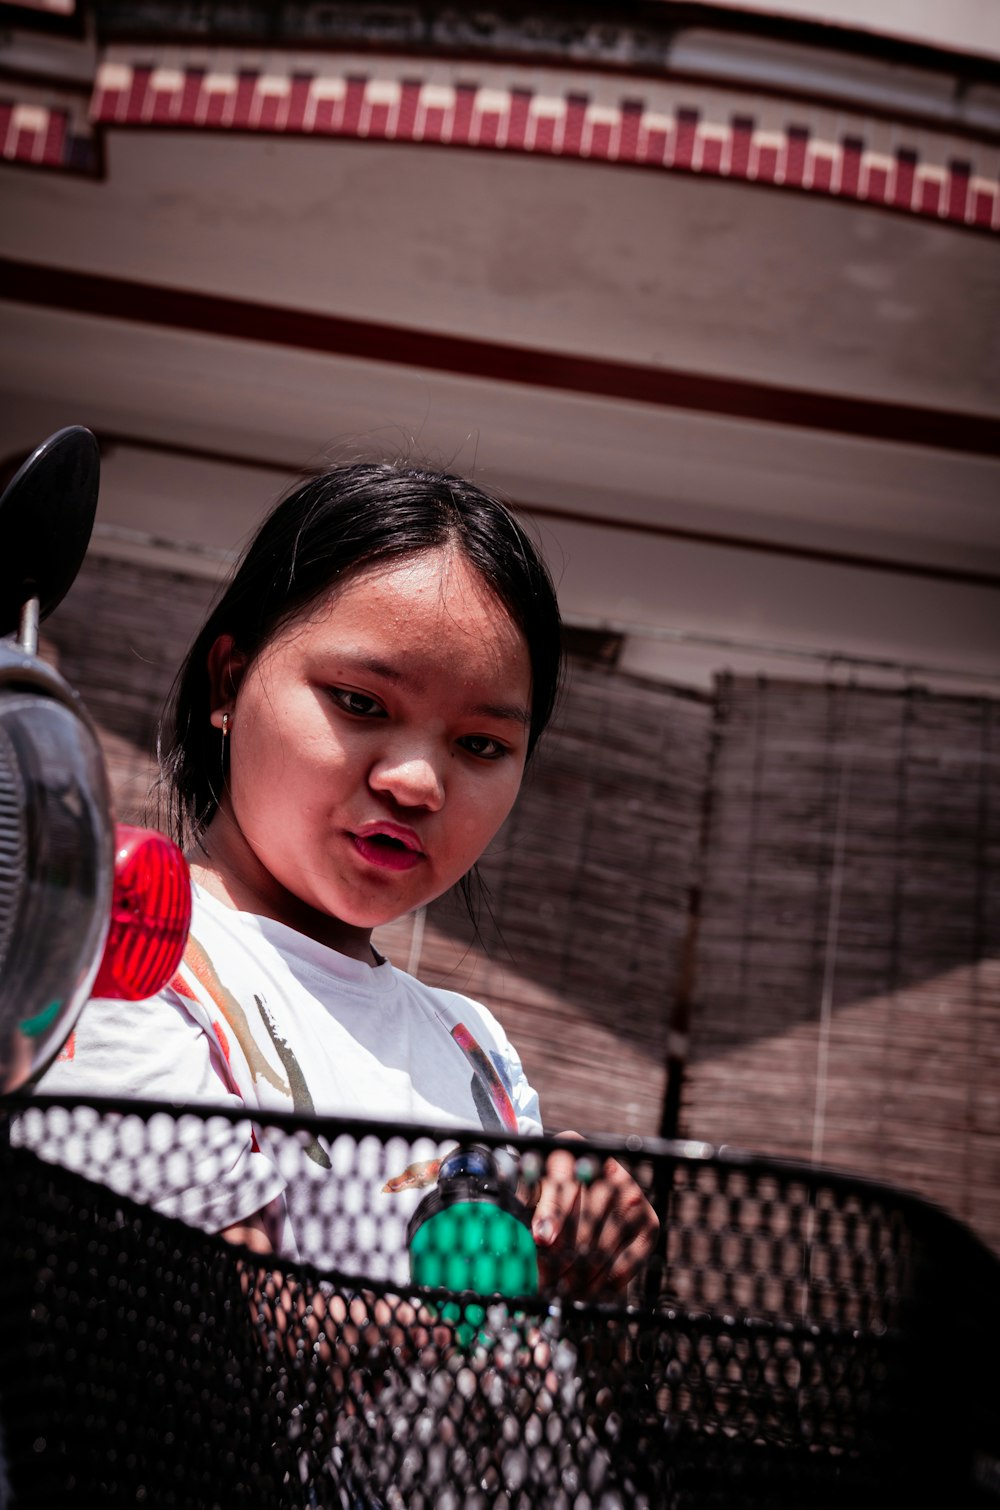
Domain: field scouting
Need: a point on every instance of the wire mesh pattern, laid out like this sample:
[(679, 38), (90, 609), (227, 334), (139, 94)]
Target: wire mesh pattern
[(798, 1338)]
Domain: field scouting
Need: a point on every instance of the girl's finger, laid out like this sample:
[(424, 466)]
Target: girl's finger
[(558, 1201)]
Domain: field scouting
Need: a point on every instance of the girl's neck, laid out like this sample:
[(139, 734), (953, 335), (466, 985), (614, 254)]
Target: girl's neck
[(264, 897)]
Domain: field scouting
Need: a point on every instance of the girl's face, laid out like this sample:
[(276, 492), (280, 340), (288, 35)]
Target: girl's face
[(376, 745)]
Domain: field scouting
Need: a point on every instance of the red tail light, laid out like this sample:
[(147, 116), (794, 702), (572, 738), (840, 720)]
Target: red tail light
[(150, 915)]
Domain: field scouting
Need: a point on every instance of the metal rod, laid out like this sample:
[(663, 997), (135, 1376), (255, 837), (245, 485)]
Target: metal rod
[(27, 631)]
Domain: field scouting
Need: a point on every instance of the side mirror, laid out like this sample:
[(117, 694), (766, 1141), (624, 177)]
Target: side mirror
[(61, 902), (46, 519)]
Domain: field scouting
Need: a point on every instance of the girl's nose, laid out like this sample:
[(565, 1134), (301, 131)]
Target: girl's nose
[(412, 779)]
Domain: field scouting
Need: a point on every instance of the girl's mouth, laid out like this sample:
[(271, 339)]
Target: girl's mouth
[(388, 850)]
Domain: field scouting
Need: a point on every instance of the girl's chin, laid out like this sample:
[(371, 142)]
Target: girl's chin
[(364, 920), (343, 907)]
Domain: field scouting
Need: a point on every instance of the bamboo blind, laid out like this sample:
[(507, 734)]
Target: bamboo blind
[(847, 997), (119, 638)]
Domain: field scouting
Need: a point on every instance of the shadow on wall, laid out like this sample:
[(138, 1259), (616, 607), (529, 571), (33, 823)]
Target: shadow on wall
[(843, 916)]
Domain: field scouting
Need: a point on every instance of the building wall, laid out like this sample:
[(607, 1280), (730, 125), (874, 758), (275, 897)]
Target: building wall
[(970, 25)]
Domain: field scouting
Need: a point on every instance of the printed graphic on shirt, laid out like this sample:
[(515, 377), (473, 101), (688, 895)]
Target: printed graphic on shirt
[(197, 960), (414, 1177), (295, 1088), (491, 1095), (301, 1099)]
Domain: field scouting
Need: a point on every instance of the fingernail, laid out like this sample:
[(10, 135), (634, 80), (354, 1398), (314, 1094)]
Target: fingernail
[(544, 1230)]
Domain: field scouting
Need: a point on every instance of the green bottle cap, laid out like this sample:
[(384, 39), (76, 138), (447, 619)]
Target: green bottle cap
[(471, 1233)]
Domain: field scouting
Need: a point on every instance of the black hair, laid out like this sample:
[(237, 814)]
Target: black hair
[(326, 529)]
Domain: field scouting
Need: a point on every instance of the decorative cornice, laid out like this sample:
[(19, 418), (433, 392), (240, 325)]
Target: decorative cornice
[(45, 127), (666, 125)]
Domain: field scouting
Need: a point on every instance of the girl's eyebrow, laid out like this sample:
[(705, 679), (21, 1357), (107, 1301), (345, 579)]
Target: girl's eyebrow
[(507, 712), (513, 712), (376, 667)]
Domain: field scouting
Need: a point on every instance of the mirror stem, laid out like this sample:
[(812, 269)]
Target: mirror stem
[(27, 633)]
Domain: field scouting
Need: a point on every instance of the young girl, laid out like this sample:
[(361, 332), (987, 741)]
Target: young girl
[(350, 730)]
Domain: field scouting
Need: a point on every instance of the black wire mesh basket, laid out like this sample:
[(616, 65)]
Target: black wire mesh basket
[(797, 1338)]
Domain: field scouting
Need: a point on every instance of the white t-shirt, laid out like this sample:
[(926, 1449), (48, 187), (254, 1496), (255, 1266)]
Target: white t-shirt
[(262, 1017)]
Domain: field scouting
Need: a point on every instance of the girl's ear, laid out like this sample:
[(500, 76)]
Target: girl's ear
[(226, 666)]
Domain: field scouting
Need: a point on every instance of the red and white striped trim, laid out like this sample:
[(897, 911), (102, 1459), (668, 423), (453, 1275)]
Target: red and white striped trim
[(32, 134), (45, 133), (661, 125)]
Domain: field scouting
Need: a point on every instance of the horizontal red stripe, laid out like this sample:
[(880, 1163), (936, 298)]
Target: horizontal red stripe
[(337, 335)]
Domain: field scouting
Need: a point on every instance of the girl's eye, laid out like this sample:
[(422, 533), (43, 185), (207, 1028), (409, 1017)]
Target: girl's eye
[(358, 703), (483, 746)]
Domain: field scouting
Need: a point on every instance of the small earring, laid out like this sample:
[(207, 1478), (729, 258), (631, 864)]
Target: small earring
[(225, 724)]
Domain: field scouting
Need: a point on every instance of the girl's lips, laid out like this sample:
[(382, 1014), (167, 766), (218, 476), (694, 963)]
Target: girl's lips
[(388, 845)]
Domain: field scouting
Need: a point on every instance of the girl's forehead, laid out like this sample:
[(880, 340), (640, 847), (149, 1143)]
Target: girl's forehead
[(423, 600), (440, 582)]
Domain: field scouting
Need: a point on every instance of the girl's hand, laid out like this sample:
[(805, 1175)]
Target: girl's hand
[(343, 1332), (591, 1238)]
